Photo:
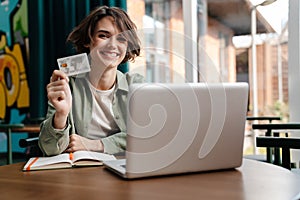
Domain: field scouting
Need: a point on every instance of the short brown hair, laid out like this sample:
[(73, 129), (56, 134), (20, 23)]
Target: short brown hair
[(82, 34)]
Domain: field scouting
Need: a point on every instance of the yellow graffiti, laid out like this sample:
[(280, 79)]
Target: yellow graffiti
[(13, 81), (2, 101), (2, 41)]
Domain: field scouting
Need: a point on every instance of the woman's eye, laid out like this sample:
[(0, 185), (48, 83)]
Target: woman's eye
[(122, 39), (103, 36)]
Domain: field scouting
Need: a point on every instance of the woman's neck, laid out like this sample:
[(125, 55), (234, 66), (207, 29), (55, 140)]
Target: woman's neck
[(103, 80)]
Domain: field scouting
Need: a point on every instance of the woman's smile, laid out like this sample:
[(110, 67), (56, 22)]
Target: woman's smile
[(110, 54)]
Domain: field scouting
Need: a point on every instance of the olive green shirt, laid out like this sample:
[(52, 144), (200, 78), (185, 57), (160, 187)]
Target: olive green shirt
[(53, 141)]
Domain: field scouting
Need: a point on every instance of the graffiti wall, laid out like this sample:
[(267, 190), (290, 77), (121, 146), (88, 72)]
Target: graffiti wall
[(14, 90)]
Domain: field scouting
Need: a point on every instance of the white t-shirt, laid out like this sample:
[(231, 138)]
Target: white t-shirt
[(102, 123)]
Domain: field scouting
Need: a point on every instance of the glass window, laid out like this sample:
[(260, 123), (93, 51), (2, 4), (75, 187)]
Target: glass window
[(162, 31)]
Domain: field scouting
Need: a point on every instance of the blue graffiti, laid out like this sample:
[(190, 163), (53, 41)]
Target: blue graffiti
[(7, 9), (15, 118)]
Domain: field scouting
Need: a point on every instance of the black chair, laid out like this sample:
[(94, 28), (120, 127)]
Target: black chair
[(32, 147), (274, 142), (279, 142), (28, 142), (263, 118), (260, 119), (31, 143)]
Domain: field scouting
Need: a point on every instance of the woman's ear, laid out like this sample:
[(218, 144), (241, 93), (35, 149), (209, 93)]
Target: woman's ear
[(86, 46)]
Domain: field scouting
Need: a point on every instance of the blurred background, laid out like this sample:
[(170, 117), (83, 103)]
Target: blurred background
[(182, 41)]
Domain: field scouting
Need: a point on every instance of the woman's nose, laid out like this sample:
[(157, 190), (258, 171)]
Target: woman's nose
[(112, 42)]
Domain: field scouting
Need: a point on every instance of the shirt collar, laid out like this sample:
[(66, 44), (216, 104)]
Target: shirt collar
[(122, 83)]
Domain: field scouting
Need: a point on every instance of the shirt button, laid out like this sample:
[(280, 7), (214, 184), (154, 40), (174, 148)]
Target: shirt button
[(117, 117)]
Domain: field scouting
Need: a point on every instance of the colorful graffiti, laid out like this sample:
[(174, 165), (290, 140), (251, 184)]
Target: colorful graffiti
[(7, 9), (14, 90)]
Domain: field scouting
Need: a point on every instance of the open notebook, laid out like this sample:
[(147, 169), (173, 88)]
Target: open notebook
[(67, 160)]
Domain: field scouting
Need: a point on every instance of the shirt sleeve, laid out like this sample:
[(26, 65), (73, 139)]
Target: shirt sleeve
[(53, 141), (115, 143)]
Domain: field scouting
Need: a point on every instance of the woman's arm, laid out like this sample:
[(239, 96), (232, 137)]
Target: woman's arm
[(53, 141), (54, 135)]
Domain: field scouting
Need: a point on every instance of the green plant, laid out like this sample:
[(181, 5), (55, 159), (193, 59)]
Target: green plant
[(280, 109)]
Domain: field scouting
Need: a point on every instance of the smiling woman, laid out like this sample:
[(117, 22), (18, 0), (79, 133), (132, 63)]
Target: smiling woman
[(82, 35), (87, 112)]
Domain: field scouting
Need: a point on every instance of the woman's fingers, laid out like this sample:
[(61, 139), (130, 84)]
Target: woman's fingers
[(59, 93), (58, 75)]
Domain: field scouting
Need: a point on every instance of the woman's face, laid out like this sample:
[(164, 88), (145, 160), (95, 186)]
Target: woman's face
[(108, 46)]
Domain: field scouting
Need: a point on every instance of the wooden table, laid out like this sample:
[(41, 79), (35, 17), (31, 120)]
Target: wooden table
[(16, 128), (254, 180)]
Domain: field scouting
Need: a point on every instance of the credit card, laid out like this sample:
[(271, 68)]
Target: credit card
[(73, 65)]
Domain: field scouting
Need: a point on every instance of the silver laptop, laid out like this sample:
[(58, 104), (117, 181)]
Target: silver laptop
[(182, 128)]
